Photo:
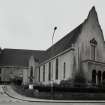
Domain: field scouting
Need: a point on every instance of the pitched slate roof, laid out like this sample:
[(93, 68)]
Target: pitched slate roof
[(62, 44), (18, 57)]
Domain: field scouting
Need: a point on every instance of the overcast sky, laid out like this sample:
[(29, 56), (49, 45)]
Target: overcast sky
[(28, 24)]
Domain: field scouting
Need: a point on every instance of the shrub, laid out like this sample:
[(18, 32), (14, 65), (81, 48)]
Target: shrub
[(79, 80), (17, 81), (66, 83)]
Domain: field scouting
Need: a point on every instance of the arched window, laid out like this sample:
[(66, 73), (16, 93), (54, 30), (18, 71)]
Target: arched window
[(56, 76), (31, 74), (99, 77), (0, 70), (39, 74), (93, 44), (49, 71), (64, 68), (0, 79), (94, 76)]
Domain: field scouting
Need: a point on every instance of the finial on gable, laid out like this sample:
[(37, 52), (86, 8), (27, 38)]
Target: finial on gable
[(93, 8), (93, 13)]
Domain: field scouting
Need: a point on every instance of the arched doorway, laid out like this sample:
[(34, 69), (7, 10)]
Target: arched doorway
[(99, 77), (94, 76), (103, 76)]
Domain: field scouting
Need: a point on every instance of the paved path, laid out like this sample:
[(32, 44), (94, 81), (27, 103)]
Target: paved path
[(5, 98)]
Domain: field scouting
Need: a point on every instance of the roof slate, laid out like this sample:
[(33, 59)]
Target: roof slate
[(63, 44), (67, 41), (18, 57)]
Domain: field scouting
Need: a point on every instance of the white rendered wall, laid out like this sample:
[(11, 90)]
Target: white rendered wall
[(68, 59)]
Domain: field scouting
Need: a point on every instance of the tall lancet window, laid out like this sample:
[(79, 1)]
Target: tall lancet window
[(49, 71), (64, 72), (56, 76), (93, 44), (43, 72), (39, 74)]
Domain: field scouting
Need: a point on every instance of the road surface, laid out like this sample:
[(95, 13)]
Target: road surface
[(7, 100)]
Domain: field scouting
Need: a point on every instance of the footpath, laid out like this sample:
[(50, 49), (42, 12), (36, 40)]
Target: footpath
[(11, 93)]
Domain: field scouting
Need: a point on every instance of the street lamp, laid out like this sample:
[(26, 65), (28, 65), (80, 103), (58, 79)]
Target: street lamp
[(55, 28)]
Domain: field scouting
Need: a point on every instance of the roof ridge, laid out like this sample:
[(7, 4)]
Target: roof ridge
[(21, 49), (66, 35)]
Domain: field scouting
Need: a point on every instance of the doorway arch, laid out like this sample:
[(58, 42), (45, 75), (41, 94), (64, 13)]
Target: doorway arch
[(99, 77), (94, 76), (103, 76)]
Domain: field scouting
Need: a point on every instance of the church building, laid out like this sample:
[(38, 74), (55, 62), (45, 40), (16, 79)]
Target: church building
[(80, 52)]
